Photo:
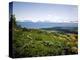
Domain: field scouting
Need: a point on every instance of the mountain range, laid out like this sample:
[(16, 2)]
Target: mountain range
[(37, 25)]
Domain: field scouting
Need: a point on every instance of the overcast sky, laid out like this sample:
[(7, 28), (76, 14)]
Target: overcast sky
[(38, 12)]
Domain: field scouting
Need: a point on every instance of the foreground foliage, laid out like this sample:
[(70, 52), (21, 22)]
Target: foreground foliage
[(34, 42)]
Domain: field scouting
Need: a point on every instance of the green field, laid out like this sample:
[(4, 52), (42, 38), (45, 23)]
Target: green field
[(34, 42)]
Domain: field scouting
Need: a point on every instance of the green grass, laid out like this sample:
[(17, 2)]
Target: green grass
[(35, 42)]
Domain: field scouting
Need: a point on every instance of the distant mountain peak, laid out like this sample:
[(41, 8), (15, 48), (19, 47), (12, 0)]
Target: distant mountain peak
[(47, 21)]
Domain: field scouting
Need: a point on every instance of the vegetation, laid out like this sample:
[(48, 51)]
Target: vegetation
[(64, 29), (36, 42)]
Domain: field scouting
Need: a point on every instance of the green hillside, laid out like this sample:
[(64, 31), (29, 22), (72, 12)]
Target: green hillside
[(33, 42)]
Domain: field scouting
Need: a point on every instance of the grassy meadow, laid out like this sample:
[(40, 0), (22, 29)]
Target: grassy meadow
[(34, 42)]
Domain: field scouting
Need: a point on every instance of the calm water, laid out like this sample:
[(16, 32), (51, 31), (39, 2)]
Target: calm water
[(45, 24)]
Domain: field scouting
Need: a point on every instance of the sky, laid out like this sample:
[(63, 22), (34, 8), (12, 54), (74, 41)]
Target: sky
[(39, 12)]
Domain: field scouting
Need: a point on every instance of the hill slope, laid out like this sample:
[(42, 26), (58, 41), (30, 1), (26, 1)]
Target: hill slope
[(35, 42)]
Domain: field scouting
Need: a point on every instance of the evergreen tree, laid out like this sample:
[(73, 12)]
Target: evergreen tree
[(12, 21)]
